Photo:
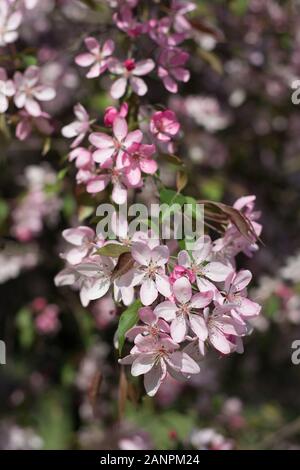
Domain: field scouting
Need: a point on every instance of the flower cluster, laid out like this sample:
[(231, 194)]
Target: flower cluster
[(119, 157), (185, 302), (37, 205), (22, 92)]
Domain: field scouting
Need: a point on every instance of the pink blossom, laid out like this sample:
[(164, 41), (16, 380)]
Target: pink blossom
[(179, 10), (149, 272), (109, 146), (184, 311), (205, 270), (47, 321), (85, 242), (97, 57), (28, 122), (104, 311), (9, 22), (7, 89), (111, 113), (220, 329), (79, 127), (38, 304), (29, 91), (126, 22), (155, 358), (92, 276), (235, 294), (130, 71), (138, 159), (153, 326), (164, 125), (83, 158), (116, 176), (161, 31), (171, 68)]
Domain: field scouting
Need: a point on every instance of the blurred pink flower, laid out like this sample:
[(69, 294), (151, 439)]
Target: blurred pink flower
[(29, 91), (28, 122), (97, 57), (164, 125), (7, 89), (79, 127), (171, 68), (10, 20)]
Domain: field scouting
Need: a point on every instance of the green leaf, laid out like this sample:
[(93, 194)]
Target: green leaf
[(84, 212), (3, 210), (62, 173), (24, 323), (169, 196), (127, 320), (29, 59), (112, 249)]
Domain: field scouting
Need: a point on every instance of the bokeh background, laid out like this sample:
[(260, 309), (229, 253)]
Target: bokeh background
[(240, 135)]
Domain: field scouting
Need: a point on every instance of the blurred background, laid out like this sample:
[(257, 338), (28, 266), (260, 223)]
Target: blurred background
[(60, 387)]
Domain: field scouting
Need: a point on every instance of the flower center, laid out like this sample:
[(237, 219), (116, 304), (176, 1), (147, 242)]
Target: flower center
[(129, 64)]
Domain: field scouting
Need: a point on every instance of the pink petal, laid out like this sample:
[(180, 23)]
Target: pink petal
[(134, 175), (141, 253), (166, 310), (92, 45), (160, 255), (44, 93), (148, 292), (97, 184), (101, 140), (120, 128), (216, 271), (182, 75), (178, 328), (118, 88), (32, 107), (133, 137), (219, 341), (138, 86), (182, 362), (96, 70), (202, 299), (102, 155), (143, 67), (119, 193), (85, 60), (170, 84), (248, 308), (198, 326), (163, 285), (154, 378), (76, 236), (182, 290), (241, 280), (147, 315), (142, 364), (108, 48), (148, 166)]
